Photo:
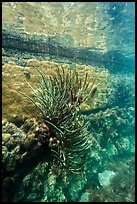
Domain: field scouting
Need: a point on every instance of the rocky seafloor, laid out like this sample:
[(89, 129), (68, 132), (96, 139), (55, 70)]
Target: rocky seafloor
[(28, 174), (29, 169)]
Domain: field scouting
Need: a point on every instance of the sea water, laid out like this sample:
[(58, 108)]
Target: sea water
[(99, 39)]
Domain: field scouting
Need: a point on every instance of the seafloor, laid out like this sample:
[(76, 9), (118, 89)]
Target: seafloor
[(28, 174)]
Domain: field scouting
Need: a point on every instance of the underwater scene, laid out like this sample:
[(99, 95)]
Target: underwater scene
[(68, 102)]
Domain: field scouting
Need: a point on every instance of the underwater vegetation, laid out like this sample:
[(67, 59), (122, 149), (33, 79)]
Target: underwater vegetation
[(62, 129)]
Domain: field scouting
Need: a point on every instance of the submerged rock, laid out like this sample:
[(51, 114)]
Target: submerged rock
[(105, 178), (84, 197), (6, 137)]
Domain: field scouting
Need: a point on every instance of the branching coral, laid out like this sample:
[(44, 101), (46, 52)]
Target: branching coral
[(62, 129)]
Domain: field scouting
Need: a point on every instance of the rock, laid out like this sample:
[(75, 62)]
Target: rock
[(105, 178), (28, 124), (4, 121), (16, 149), (6, 137), (19, 135), (30, 143), (11, 144), (4, 150), (18, 120), (10, 128), (84, 197)]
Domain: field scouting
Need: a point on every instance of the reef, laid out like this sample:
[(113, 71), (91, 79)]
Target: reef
[(68, 102), (57, 126), (122, 186), (14, 78), (52, 154)]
